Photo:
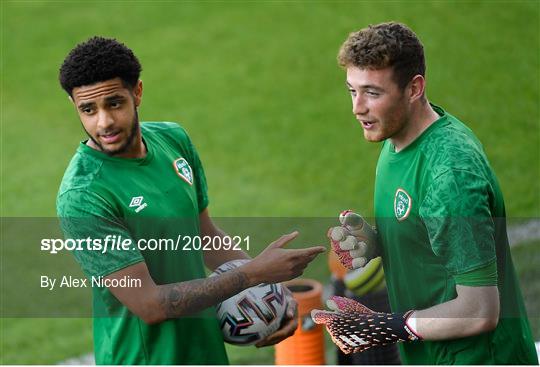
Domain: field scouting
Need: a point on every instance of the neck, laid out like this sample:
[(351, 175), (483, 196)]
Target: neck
[(421, 117), (137, 148)]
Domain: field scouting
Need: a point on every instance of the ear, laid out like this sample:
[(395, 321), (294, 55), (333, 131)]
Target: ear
[(137, 93), (416, 88)]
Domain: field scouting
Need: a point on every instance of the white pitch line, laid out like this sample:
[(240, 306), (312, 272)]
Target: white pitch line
[(525, 232)]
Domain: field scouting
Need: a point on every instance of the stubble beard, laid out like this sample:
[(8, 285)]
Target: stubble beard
[(127, 143), (396, 125)]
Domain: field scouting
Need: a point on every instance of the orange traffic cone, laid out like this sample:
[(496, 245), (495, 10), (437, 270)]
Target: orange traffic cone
[(306, 346)]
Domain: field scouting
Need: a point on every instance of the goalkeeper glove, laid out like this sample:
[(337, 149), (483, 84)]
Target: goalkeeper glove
[(354, 242), (355, 328)]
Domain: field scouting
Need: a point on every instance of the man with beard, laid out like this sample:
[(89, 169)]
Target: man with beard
[(145, 181), (440, 219)]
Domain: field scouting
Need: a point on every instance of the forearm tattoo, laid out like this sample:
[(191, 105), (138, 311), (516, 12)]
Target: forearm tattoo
[(185, 298)]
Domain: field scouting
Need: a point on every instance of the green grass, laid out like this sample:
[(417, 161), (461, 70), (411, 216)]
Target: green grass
[(44, 340), (257, 87)]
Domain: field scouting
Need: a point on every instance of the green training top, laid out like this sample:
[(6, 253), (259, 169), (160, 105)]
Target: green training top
[(159, 196), (440, 214)]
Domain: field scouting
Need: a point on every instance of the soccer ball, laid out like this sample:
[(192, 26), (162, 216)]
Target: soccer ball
[(254, 313)]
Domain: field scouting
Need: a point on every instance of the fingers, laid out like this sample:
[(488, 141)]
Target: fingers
[(337, 233), (322, 316), (306, 255), (283, 240), (349, 243), (346, 240), (292, 306), (299, 265), (331, 321), (328, 233), (311, 251), (344, 304), (350, 251), (358, 262), (296, 260), (288, 294), (361, 249), (344, 348), (290, 323), (331, 304), (344, 256), (282, 333)]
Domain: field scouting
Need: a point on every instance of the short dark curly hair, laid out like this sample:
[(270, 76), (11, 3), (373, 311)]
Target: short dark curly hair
[(385, 45), (96, 60)]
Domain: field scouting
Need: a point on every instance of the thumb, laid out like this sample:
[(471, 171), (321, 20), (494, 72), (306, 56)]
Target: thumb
[(321, 316), (352, 220), (292, 309), (283, 240)]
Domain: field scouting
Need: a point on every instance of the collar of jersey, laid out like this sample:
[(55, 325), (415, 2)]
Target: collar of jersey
[(85, 149), (440, 121)]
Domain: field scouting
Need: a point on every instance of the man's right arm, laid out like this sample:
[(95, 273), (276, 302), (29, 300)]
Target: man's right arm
[(156, 303), (153, 303)]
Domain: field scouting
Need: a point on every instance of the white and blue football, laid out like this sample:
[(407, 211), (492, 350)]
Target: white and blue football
[(252, 314)]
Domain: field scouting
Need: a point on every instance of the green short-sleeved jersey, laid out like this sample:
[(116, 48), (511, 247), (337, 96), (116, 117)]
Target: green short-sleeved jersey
[(160, 197), (440, 213)]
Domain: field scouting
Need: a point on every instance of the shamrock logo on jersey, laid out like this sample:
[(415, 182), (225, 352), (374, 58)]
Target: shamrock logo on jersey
[(402, 204), (183, 170)]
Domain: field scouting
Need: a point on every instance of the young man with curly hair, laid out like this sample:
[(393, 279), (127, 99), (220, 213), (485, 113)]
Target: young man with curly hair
[(440, 219), (145, 181)]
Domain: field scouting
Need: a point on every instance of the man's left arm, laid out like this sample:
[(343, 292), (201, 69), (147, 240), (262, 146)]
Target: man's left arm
[(215, 258), (458, 221), (475, 310), (355, 328)]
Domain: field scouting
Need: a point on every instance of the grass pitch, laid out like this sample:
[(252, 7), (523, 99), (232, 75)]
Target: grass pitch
[(257, 87)]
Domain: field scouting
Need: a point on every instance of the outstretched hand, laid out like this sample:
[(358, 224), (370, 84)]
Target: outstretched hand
[(276, 264)]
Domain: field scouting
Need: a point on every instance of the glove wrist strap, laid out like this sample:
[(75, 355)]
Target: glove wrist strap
[(410, 326)]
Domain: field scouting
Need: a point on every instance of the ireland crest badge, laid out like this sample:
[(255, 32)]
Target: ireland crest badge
[(402, 204), (183, 169)]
